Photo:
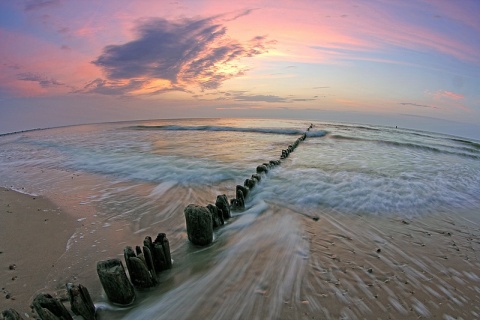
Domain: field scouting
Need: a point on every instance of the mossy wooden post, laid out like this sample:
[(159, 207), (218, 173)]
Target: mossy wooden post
[(49, 308), (11, 314), (159, 250), (137, 269), (114, 281), (162, 241), (147, 255), (244, 190), (262, 169), (199, 225), (141, 277), (217, 216), (239, 203), (80, 301), (257, 177), (250, 183), (222, 204)]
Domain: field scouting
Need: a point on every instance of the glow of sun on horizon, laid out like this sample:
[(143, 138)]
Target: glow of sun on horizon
[(416, 58)]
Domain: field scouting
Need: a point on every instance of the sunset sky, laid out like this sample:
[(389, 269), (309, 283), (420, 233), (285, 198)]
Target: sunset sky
[(414, 64)]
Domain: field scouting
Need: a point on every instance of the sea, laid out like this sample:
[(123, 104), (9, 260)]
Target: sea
[(126, 180)]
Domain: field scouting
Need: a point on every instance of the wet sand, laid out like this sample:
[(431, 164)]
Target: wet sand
[(367, 267), (33, 236), (354, 267)]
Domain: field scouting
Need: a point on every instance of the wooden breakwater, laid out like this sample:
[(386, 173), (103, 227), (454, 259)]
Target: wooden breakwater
[(201, 221), (146, 262)]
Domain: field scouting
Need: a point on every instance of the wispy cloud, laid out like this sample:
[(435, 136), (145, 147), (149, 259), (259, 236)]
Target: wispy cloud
[(417, 105), (245, 96), (42, 80), (259, 98), (184, 52), (32, 5), (448, 99), (448, 95)]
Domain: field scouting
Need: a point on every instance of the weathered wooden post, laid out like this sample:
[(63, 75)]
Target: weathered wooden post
[(11, 314), (222, 204), (262, 169), (80, 301), (162, 241), (159, 251), (118, 288), (244, 190), (250, 183), (256, 177), (274, 163), (240, 197), (49, 308), (199, 224), (217, 215), (137, 269)]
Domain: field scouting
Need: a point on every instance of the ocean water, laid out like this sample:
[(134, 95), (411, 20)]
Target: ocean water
[(123, 181)]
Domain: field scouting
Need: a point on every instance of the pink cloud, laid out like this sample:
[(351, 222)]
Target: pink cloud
[(319, 31), (441, 94), (35, 67)]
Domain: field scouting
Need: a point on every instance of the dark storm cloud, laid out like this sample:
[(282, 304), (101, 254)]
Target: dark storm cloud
[(185, 52), (42, 80)]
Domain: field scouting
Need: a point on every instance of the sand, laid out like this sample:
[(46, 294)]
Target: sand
[(358, 267), (33, 236), (368, 267)]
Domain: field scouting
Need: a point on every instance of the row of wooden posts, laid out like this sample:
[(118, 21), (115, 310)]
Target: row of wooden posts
[(201, 220), (143, 264), (146, 262)]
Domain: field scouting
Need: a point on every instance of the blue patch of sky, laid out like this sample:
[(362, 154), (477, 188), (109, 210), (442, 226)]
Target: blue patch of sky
[(11, 18)]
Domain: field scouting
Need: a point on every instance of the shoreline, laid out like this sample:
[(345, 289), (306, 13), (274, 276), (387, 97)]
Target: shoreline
[(34, 234)]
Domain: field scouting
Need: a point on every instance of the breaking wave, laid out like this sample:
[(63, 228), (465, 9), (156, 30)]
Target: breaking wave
[(232, 129)]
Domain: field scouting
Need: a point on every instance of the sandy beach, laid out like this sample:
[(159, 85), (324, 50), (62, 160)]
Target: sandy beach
[(33, 236), (392, 268), (357, 267)]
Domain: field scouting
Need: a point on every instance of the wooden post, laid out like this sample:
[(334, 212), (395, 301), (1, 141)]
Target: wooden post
[(162, 241), (222, 204), (147, 253), (243, 189), (256, 177), (11, 314), (80, 301), (159, 250), (118, 288), (199, 225), (49, 308), (250, 183), (217, 216), (137, 269), (262, 168)]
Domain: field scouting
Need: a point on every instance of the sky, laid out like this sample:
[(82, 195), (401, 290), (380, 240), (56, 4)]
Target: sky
[(414, 64)]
